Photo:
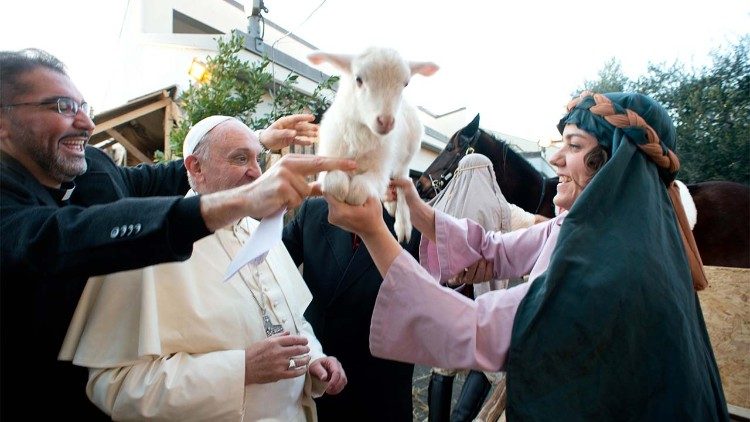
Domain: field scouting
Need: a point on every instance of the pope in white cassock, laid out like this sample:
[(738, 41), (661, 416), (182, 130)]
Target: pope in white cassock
[(174, 342)]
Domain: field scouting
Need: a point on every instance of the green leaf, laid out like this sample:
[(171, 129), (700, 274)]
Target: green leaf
[(237, 87)]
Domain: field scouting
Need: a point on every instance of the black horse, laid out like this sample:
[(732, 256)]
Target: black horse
[(519, 181), (722, 231)]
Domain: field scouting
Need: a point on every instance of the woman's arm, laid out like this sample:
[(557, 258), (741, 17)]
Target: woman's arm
[(442, 328), (455, 245), (416, 320)]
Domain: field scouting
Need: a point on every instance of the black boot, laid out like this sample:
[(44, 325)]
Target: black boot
[(439, 395), (474, 392)]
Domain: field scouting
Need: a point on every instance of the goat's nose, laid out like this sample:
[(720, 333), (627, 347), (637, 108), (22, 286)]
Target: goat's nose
[(385, 124)]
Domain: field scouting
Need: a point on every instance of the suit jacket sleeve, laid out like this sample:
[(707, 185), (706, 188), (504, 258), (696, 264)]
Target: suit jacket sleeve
[(292, 235), (120, 227), (206, 386), (168, 179)]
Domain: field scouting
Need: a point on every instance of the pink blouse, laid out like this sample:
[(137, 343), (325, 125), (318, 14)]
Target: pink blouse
[(417, 320)]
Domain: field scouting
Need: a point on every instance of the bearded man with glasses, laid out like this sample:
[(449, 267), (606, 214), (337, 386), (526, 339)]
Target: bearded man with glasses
[(67, 213)]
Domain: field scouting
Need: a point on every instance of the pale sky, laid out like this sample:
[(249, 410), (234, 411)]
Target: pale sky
[(515, 62)]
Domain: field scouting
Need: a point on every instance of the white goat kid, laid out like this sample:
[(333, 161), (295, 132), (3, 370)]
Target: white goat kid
[(370, 123)]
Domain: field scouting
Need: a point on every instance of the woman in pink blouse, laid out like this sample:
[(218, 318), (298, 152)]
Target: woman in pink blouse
[(609, 326)]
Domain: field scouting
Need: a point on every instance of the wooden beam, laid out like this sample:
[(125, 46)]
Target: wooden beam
[(116, 121), (129, 146), (105, 144), (132, 133), (738, 413)]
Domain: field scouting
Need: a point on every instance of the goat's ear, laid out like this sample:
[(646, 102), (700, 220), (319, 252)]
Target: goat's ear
[(423, 68), (341, 61)]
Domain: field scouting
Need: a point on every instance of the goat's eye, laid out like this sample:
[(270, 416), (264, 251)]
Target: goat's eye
[(406, 84), (359, 81)]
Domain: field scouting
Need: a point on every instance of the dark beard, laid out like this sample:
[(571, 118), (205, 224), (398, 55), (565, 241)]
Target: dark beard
[(59, 167)]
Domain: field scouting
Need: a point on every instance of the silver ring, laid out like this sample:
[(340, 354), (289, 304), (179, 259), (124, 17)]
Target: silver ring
[(292, 364)]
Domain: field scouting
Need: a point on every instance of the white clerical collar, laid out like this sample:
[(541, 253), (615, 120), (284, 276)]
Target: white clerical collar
[(63, 193)]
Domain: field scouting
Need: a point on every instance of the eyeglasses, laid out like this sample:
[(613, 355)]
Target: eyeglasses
[(65, 106)]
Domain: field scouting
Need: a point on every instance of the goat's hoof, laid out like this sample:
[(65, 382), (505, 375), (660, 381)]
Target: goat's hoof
[(356, 196), (359, 191), (336, 184)]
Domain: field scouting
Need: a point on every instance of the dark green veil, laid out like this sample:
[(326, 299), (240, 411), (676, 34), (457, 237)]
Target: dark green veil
[(613, 330)]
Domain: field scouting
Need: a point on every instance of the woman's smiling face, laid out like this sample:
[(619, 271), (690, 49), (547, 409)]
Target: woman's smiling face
[(571, 165)]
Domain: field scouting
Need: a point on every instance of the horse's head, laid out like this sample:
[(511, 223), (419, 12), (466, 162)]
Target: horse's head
[(439, 173), (519, 181)]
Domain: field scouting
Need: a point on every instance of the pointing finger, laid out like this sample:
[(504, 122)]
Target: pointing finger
[(312, 164)]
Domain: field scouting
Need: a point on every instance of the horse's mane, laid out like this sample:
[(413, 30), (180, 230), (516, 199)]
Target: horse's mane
[(510, 153)]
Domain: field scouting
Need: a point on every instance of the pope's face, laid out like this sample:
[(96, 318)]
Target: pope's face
[(232, 160)]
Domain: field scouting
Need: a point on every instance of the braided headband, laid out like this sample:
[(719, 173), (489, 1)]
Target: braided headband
[(662, 157), (659, 154)]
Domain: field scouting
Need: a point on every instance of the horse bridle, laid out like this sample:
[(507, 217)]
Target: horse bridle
[(439, 183)]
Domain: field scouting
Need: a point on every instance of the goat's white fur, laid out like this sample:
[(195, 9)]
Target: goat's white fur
[(370, 123)]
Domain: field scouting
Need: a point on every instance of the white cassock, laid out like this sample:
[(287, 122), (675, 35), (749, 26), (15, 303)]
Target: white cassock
[(168, 341)]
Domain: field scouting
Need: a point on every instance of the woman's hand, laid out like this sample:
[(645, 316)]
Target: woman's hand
[(481, 271), (410, 192), (422, 215), (364, 220)]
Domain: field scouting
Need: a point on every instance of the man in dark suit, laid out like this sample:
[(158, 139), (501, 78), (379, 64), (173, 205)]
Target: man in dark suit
[(67, 213), (344, 283)]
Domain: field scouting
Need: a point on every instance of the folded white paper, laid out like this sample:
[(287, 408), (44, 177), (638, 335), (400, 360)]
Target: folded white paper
[(263, 238)]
